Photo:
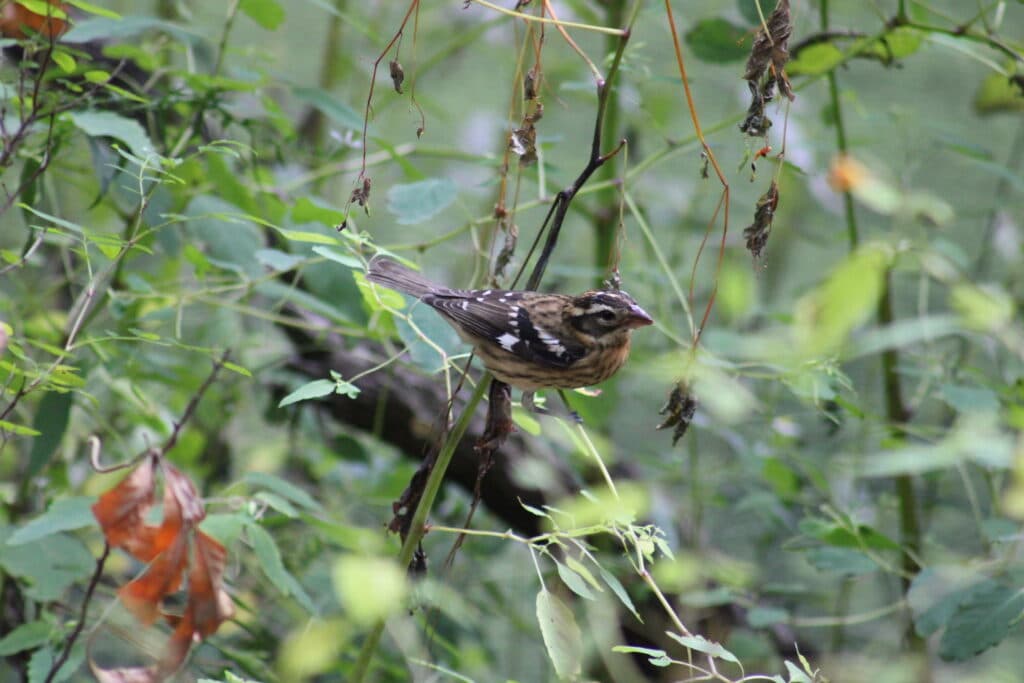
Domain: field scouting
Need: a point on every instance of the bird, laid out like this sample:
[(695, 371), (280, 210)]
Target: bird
[(530, 340)]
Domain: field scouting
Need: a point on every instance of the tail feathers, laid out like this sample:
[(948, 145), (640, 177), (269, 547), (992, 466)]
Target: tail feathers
[(394, 275)]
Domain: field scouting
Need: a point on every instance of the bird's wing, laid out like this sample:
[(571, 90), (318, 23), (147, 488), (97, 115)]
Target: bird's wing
[(498, 318)]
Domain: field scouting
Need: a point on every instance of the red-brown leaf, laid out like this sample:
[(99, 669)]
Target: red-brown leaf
[(142, 596), (122, 510), (208, 603), (184, 492)]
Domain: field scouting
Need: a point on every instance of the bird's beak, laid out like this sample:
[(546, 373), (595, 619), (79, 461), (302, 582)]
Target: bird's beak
[(638, 317)]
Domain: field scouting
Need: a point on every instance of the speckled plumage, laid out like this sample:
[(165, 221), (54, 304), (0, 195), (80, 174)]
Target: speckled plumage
[(530, 340)]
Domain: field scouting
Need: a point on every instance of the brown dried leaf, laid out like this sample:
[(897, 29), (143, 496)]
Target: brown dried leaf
[(183, 491), (15, 18), (209, 605), (143, 595), (121, 511), (147, 674)]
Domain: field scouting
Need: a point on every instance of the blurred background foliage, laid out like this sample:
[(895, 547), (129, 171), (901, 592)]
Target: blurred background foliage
[(850, 491)]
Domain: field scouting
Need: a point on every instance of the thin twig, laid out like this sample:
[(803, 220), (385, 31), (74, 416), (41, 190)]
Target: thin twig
[(193, 402), (560, 207), (82, 614), (622, 33)]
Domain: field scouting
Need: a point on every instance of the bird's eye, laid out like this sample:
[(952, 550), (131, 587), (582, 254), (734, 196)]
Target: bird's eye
[(606, 315)]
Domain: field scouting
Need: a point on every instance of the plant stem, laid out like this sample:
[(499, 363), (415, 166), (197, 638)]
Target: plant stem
[(841, 144), (418, 525), (605, 225), (910, 526)]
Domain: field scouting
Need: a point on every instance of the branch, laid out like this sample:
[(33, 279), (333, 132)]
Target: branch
[(193, 402), (83, 613), (560, 207)]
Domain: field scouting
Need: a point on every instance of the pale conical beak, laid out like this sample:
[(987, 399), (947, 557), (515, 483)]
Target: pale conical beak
[(638, 317)]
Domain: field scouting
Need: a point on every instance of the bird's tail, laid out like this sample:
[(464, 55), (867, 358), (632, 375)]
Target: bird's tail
[(394, 275)]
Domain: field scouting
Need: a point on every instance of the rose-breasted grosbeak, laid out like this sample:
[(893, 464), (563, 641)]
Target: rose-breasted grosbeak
[(530, 340)]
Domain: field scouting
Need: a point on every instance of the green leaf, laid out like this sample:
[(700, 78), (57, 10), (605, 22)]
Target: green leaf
[(969, 399), (982, 307), (864, 535), (334, 109), (707, 598), (281, 292), (43, 8), (619, 590), (282, 488), (702, 644), (48, 566), (562, 638), (63, 515), (849, 297), (575, 582), (655, 657), (718, 40), (900, 42), (814, 60), (432, 326), (94, 9), (332, 255), (51, 421), (25, 637), (225, 527), (278, 260), (267, 13), (748, 10), (417, 202), (935, 594), (308, 237), (760, 617), (20, 430), (797, 675), (315, 389), (369, 588), (998, 94), (64, 60), (229, 237), (581, 569), (845, 561), (108, 124), (982, 620), (276, 502), (312, 209), (273, 568)]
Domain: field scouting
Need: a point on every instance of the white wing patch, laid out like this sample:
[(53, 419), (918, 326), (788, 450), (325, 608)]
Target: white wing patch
[(507, 341), (554, 346)]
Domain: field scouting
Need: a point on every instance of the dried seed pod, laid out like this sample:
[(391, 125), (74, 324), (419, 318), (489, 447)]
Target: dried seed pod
[(531, 83), (771, 47), (397, 75), (679, 410), (757, 232), (361, 195), (523, 143)]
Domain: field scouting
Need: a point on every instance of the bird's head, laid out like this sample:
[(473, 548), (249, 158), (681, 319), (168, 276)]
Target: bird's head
[(606, 316)]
